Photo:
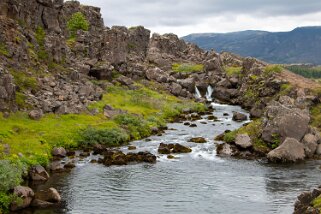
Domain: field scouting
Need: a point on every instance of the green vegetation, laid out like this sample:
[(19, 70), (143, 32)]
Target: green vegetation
[(40, 37), (77, 22), (23, 80), (10, 176), (254, 130), (108, 137), (307, 71), (187, 68), (316, 203), (286, 88), (271, 69), (230, 70), (4, 50), (316, 116), (35, 139)]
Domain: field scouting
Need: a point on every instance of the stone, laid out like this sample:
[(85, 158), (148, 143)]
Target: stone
[(26, 194), (38, 173), (243, 141), (318, 151), (225, 149), (198, 140), (40, 204), (170, 157), (239, 116), (56, 166), (131, 147), (310, 145), (165, 148), (59, 152), (285, 121), (290, 150), (99, 149), (178, 148), (35, 114), (193, 125), (176, 89), (49, 195)]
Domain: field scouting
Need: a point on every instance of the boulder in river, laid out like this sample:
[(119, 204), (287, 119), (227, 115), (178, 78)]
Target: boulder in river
[(198, 140), (173, 148), (178, 148), (243, 141), (38, 173), (115, 157), (26, 195), (310, 144), (237, 116), (290, 150), (49, 195), (308, 202)]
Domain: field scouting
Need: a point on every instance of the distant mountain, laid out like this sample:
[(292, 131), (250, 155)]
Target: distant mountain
[(301, 45)]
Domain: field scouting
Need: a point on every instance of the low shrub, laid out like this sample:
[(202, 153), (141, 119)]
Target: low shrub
[(231, 70), (77, 22), (187, 68), (109, 137)]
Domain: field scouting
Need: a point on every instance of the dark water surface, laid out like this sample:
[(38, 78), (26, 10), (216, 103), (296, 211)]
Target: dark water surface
[(199, 182)]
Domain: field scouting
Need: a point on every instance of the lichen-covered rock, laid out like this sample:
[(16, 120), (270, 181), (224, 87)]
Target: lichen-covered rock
[(310, 144), (237, 116), (290, 150), (59, 152), (198, 140), (35, 114)]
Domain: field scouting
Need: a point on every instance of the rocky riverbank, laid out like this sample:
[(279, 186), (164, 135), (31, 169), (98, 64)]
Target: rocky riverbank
[(67, 80)]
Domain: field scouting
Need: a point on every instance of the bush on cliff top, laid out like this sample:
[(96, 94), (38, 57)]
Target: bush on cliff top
[(77, 22)]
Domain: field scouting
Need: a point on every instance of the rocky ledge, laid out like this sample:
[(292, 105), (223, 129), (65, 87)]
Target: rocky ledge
[(308, 202)]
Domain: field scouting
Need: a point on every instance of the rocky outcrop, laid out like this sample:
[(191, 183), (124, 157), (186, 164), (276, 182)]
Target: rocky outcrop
[(38, 173), (243, 141), (285, 120), (308, 202), (115, 157), (291, 150)]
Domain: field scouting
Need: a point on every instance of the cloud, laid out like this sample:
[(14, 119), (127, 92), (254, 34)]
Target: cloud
[(190, 16)]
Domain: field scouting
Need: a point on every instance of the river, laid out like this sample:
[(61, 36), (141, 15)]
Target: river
[(199, 182)]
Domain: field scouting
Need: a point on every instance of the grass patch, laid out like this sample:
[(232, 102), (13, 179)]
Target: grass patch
[(316, 203), (4, 50), (40, 36), (231, 70), (316, 116), (230, 137), (271, 69), (187, 68), (77, 22)]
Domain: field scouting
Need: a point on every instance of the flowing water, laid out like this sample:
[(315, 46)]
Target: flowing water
[(199, 182)]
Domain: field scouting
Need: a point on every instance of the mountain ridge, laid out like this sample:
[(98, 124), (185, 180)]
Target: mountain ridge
[(301, 45)]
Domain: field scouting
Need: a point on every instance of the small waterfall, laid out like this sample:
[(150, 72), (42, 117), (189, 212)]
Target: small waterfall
[(209, 93), (197, 93)]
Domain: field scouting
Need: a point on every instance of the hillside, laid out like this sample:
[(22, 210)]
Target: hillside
[(301, 45)]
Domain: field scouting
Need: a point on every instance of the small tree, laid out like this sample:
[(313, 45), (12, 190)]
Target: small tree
[(77, 22)]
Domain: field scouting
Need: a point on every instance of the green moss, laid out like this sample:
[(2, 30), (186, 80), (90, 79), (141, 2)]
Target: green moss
[(285, 89), (187, 68), (231, 70), (71, 42), (230, 137), (316, 116), (77, 22), (317, 203), (4, 50), (40, 36), (23, 80)]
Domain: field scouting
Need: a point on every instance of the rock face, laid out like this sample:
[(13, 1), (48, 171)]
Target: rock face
[(290, 150), (285, 120), (26, 194)]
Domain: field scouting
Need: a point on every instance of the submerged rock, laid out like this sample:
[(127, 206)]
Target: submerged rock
[(115, 157), (173, 148), (49, 195), (198, 140), (290, 150), (239, 117)]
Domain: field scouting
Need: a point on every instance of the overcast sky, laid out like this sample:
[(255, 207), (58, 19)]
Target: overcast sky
[(183, 17)]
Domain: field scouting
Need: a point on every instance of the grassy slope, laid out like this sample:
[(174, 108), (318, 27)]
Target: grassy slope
[(35, 139)]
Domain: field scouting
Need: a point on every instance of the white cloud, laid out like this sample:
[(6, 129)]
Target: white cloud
[(183, 17)]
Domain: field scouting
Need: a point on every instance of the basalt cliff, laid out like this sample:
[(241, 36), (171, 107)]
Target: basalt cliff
[(49, 68)]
